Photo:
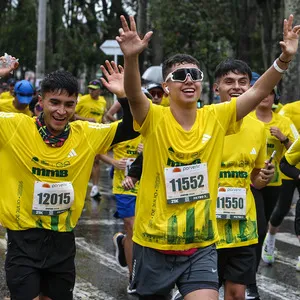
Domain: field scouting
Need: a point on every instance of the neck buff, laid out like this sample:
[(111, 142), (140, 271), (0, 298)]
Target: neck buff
[(48, 137)]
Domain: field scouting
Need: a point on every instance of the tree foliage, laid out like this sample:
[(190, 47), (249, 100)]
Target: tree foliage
[(209, 30)]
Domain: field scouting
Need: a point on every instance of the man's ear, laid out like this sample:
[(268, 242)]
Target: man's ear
[(216, 88), (165, 87), (40, 100)]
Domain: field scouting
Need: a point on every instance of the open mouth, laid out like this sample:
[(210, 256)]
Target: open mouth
[(59, 119), (188, 91), (235, 94)]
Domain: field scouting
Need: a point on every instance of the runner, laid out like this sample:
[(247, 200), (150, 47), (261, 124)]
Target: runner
[(291, 111), (242, 164), (123, 155), (288, 167), (23, 93), (280, 133), (47, 163), (92, 107), (175, 226), (10, 93)]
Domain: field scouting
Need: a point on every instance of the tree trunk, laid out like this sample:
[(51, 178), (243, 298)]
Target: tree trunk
[(291, 80), (142, 28)]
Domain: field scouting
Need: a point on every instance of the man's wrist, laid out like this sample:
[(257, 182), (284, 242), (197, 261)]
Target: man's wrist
[(121, 95), (285, 141), (286, 58)]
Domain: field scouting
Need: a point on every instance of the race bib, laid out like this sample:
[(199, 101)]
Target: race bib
[(129, 162), (51, 199), (186, 183), (231, 203)]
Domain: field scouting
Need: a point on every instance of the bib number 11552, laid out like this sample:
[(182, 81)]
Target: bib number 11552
[(186, 183)]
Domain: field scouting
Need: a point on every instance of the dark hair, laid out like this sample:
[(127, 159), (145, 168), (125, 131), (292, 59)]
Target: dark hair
[(33, 102), (58, 82), (178, 59), (232, 65)]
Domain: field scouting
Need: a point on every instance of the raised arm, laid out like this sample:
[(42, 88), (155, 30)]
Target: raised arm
[(264, 85), (132, 45)]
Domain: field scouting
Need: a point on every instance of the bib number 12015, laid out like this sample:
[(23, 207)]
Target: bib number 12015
[(53, 199)]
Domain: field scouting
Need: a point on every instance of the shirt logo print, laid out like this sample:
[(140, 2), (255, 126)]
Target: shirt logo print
[(205, 138), (72, 153)]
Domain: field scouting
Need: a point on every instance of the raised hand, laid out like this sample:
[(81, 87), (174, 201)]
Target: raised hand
[(5, 70), (130, 42), (289, 45), (114, 81)]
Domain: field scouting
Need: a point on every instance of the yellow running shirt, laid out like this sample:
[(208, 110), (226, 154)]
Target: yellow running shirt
[(165, 101), (292, 155), (127, 149), (182, 215), (242, 152), (288, 129), (292, 111), (42, 186), (6, 105), (6, 95), (91, 108)]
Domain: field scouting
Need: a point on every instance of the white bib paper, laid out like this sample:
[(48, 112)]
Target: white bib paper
[(51, 199), (129, 162), (186, 183), (231, 203)]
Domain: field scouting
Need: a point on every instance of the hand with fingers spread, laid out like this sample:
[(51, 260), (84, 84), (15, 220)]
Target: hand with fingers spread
[(114, 81), (130, 42), (5, 70), (289, 45)]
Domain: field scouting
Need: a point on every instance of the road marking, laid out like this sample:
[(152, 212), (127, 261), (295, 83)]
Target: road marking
[(85, 290), (100, 222), (281, 291), (103, 257), (288, 238), (3, 244)]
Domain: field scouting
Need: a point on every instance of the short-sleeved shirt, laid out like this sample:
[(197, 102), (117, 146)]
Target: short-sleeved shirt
[(178, 161), (291, 111), (129, 150), (242, 152), (292, 155), (6, 105), (29, 166), (288, 129), (88, 107)]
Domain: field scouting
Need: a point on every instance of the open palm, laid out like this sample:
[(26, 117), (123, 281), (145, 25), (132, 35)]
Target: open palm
[(114, 81), (130, 42), (289, 45)]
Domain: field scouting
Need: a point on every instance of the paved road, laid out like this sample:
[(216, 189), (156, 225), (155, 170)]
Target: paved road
[(100, 277)]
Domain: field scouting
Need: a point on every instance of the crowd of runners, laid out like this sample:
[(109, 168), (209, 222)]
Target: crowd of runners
[(202, 190)]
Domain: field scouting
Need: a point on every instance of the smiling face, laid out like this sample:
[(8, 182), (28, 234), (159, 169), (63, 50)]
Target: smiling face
[(187, 92), (231, 85), (58, 109)]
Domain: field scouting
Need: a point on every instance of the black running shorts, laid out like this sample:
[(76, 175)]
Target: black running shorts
[(40, 262)]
